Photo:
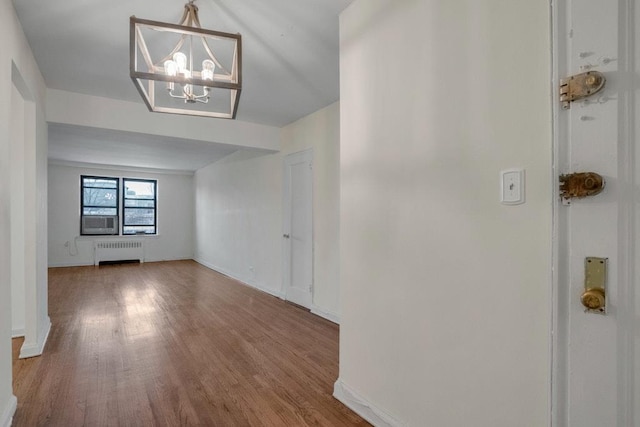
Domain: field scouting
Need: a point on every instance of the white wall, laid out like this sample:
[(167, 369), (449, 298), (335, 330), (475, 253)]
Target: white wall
[(41, 236), (239, 211), (17, 183), (321, 131), (28, 218), (445, 292), (19, 65), (175, 215), (239, 218)]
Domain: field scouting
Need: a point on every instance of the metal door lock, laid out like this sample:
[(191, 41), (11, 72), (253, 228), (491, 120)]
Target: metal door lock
[(581, 184), (580, 86)]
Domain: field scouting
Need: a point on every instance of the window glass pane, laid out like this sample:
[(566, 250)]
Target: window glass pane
[(100, 197), (138, 229), (100, 182), (139, 190), (139, 203), (139, 216), (99, 211)]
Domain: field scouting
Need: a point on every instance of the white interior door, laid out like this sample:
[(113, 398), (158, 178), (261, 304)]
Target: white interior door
[(298, 228), (596, 357)]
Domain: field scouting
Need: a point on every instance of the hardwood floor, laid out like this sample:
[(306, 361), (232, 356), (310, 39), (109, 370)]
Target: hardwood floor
[(177, 344)]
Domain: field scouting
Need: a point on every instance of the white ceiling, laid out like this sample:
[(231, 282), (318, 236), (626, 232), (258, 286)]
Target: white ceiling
[(290, 63), (79, 144)]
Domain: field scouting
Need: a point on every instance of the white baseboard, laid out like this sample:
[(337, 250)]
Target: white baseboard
[(332, 317), (6, 416), (36, 349), (17, 333), (185, 258), (276, 294), (247, 282), (314, 308), (362, 407), (70, 264), (91, 263)]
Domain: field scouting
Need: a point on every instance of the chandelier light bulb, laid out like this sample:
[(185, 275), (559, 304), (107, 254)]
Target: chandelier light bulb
[(181, 62), (170, 67), (208, 67)]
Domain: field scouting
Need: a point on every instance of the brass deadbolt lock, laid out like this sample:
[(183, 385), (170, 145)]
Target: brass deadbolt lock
[(580, 86), (580, 184)]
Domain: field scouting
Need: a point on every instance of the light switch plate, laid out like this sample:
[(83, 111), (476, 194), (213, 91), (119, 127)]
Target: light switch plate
[(512, 186)]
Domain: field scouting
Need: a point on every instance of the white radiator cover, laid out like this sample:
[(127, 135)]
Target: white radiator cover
[(118, 250)]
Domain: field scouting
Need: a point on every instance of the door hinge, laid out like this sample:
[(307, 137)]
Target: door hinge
[(580, 86), (580, 184)]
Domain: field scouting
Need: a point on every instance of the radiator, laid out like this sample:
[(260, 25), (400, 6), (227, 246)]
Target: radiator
[(118, 250)]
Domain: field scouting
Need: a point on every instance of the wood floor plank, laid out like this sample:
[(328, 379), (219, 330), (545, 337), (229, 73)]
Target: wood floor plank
[(177, 344)]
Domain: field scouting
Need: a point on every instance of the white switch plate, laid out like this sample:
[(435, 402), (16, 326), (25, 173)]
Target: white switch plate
[(512, 186)]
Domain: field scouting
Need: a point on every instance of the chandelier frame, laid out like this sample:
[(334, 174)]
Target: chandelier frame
[(225, 80)]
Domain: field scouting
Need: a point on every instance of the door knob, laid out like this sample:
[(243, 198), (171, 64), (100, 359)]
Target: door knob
[(286, 236), (593, 299)]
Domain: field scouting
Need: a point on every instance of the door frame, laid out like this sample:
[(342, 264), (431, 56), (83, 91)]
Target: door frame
[(308, 155), (557, 394), (560, 292)]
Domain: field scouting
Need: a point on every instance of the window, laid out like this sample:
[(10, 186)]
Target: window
[(99, 199), (100, 208), (139, 206), (99, 195)]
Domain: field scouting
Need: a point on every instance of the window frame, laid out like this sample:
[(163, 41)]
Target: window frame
[(124, 207), (82, 205)]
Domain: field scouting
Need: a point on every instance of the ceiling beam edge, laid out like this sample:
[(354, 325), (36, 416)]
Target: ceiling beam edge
[(105, 113)]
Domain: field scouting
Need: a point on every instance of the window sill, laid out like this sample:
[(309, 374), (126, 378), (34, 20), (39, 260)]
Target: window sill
[(117, 236)]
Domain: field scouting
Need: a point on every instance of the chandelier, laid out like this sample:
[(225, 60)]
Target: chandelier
[(185, 69)]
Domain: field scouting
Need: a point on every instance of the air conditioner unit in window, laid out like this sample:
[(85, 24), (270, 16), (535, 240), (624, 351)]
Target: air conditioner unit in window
[(99, 224)]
